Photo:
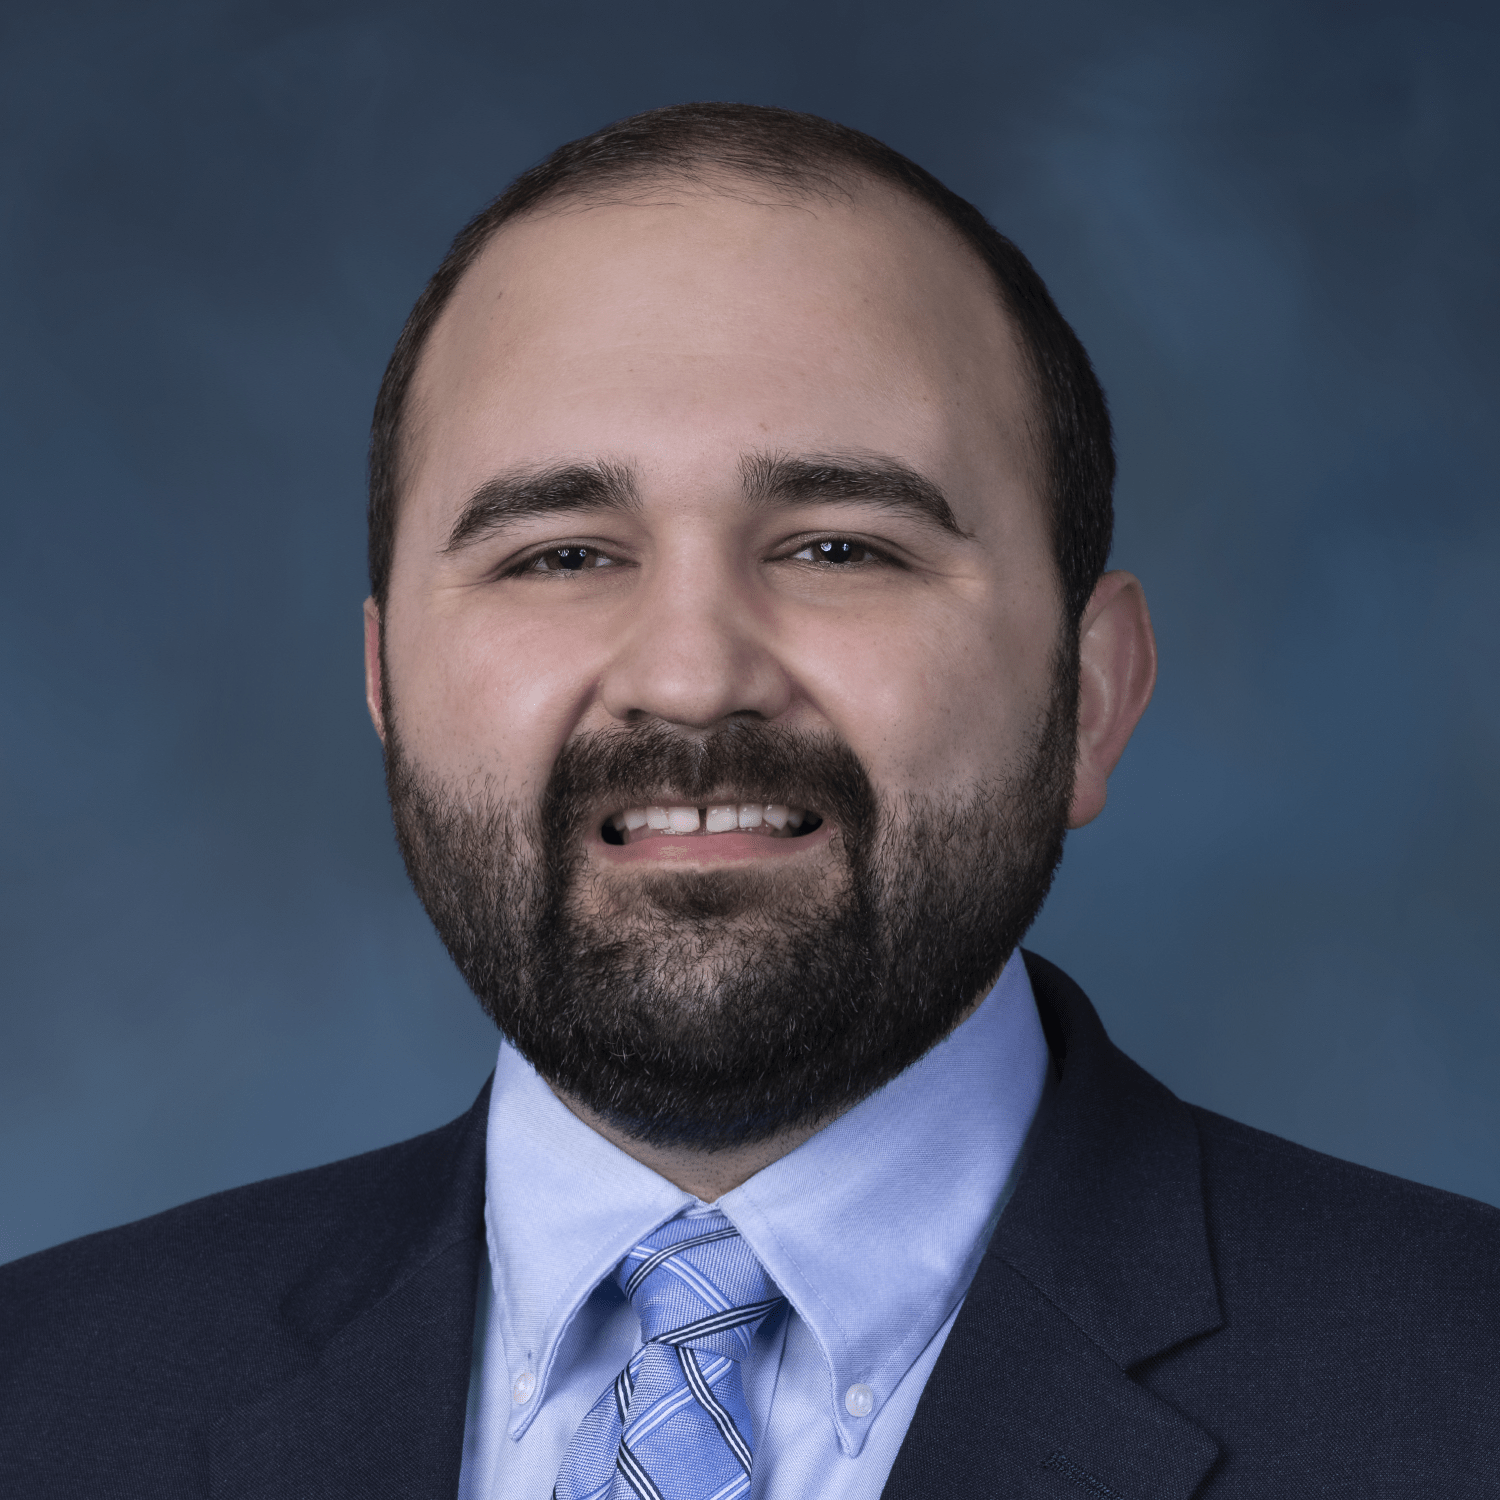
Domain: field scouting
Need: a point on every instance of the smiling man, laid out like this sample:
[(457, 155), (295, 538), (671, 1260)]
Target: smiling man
[(741, 647)]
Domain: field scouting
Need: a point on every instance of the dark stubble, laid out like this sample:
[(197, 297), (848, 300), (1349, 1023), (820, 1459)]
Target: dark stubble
[(716, 1008)]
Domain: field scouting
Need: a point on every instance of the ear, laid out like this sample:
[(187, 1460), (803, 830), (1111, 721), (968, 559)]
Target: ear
[(373, 683), (1117, 670)]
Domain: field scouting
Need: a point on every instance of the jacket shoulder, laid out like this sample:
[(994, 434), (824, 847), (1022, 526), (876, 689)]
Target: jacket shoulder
[(1268, 1190), (255, 1233), (189, 1310), (1360, 1323)]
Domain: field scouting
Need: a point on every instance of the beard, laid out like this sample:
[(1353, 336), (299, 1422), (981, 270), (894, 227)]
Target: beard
[(713, 1008)]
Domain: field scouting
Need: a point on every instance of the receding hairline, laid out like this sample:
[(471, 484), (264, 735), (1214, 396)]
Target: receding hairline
[(708, 177), (822, 182)]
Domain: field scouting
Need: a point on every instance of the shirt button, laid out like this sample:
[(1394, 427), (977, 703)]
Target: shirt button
[(524, 1386), (859, 1401)]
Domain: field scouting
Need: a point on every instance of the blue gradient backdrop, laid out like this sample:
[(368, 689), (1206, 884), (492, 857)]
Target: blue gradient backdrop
[(1274, 226)]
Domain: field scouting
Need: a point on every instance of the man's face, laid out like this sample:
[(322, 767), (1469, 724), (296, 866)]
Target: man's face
[(725, 511)]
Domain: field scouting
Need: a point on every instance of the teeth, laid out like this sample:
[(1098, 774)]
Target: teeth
[(719, 819)]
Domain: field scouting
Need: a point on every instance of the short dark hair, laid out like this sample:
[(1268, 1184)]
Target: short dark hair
[(802, 153)]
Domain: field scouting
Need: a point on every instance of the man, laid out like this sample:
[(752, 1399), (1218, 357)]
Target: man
[(741, 647)]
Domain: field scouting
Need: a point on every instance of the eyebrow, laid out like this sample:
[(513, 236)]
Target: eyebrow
[(779, 479), (769, 479), (523, 495)]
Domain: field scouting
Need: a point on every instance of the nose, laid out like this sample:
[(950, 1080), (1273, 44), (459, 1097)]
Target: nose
[(697, 651)]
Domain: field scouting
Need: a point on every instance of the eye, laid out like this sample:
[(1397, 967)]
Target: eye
[(572, 559), (836, 550)]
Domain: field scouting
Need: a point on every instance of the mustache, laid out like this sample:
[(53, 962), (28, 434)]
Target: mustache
[(753, 761)]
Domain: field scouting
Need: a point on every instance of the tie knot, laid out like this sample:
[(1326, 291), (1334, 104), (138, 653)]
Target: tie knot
[(695, 1283)]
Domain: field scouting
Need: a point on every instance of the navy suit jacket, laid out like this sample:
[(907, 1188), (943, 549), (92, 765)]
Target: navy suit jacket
[(1173, 1305)]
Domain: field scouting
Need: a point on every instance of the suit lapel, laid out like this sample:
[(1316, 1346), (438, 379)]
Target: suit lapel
[(376, 1408), (1022, 1403), (1100, 1261)]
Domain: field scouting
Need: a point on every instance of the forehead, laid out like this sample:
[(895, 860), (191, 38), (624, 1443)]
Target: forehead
[(685, 323)]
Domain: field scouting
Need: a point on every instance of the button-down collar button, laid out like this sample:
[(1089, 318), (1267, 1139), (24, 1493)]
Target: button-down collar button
[(859, 1401), (525, 1384)]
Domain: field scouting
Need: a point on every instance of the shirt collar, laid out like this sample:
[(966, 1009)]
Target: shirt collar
[(872, 1228)]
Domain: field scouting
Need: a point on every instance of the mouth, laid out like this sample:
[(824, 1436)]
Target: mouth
[(716, 820)]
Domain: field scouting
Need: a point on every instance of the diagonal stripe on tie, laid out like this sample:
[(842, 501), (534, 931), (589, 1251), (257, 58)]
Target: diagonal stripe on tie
[(639, 1479), (651, 1262), (640, 1424), (736, 1487), (736, 1317), (704, 1396)]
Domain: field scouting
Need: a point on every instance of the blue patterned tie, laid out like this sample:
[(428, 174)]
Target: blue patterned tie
[(674, 1425)]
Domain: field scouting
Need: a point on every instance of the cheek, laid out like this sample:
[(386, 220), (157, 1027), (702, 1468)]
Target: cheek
[(475, 696), (931, 702)]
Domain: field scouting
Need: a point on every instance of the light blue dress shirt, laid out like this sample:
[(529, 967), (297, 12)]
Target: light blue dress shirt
[(872, 1230)]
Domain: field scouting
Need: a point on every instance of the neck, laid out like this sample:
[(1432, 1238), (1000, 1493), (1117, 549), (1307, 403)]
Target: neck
[(705, 1174)]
